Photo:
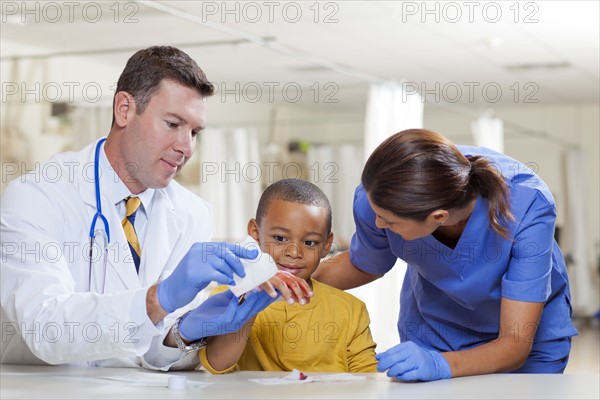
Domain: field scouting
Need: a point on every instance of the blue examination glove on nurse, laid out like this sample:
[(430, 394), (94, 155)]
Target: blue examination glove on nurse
[(203, 263), (410, 362), (222, 313)]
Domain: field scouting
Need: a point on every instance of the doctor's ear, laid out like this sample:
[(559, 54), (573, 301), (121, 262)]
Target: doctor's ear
[(123, 107)]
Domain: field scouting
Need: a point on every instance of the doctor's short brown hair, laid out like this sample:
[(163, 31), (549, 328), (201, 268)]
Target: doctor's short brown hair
[(147, 68)]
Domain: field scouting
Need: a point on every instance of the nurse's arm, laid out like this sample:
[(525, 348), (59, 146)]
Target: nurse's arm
[(340, 273), (518, 324)]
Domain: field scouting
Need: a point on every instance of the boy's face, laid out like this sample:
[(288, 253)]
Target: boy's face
[(294, 234)]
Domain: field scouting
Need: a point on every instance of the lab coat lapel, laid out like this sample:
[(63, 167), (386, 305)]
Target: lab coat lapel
[(163, 231), (85, 176)]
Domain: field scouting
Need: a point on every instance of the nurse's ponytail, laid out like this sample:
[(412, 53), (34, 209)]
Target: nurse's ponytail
[(417, 171), (486, 180)]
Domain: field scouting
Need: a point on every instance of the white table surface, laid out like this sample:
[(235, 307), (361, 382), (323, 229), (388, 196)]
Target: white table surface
[(54, 382)]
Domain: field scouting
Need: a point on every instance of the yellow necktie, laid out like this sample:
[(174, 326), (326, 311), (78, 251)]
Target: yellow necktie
[(131, 206)]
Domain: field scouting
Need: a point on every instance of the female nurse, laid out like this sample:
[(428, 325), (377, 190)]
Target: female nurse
[(486, 288)]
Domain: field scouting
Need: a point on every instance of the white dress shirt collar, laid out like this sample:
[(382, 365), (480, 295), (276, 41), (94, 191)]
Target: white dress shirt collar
[(115, 190)]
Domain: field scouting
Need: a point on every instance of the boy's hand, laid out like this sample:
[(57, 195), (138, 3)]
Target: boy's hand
[(292, 289)]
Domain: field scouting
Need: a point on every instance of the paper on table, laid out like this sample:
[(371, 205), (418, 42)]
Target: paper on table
[(136, 378), (258, 270), (298, 377)]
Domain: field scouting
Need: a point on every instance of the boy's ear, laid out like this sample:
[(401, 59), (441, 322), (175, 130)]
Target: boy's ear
[(253, 230), (328, 244)]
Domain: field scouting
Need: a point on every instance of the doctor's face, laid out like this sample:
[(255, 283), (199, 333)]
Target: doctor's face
[(158, 142), (294, 234)]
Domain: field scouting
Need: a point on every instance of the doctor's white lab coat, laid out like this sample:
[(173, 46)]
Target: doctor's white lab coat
[(50, 314)]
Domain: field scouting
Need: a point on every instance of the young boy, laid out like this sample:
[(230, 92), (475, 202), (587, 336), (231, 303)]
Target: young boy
[(329, 334)]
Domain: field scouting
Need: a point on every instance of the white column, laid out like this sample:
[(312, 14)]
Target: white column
[(584, 294), (390, 110), (489, 132)]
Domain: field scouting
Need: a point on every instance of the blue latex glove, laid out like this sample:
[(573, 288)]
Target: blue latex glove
[(203, 263), (408, 362), (221, 314)]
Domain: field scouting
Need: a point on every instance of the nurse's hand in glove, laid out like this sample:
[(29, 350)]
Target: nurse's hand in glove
[(408, 362), (203, 263), (222, 313)]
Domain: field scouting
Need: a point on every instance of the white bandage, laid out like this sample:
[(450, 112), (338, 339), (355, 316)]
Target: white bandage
[(258, 270)]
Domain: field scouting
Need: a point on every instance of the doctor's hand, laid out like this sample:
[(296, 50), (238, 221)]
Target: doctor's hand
[(408, 362), (222, 313), (203, 263)]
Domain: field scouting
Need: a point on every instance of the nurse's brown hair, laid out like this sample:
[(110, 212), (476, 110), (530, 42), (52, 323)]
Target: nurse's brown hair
[(418, 171)]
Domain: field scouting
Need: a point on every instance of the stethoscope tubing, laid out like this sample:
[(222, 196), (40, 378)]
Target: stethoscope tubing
[(97, 215), (98, 200)]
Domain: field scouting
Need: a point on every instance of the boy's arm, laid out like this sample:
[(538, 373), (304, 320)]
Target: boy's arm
[(222, 352), (361, 348)]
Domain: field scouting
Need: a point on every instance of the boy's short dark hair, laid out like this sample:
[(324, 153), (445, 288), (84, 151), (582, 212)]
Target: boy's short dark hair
[(296, 191), (146, 69)]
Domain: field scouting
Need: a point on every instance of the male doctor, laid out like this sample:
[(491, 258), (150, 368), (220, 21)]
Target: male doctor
[(62, 304)]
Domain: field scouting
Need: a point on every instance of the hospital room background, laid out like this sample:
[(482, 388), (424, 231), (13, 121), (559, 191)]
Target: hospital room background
[(308, 89)]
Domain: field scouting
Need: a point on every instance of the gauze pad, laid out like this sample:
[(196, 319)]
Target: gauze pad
[(258, 270)]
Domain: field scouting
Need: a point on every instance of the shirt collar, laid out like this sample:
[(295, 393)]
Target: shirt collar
[(114, 189), (146, 197)]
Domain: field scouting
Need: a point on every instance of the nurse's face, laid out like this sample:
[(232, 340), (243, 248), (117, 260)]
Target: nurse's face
[(158, 142), (409, 229)]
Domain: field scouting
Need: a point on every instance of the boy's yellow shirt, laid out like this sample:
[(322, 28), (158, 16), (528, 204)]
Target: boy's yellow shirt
[(330, 334)]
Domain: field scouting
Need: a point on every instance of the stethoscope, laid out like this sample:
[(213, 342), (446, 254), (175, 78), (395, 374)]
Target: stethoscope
[(95, 219)]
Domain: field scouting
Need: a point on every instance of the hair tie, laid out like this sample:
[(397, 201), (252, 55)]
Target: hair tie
[(473, 167)]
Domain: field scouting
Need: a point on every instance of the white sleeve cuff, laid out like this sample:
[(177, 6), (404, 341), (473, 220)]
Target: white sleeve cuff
[(161, 357), (142, 331)]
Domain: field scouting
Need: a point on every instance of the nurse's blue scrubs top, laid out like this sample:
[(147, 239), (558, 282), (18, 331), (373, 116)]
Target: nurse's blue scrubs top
[(450, 298)]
